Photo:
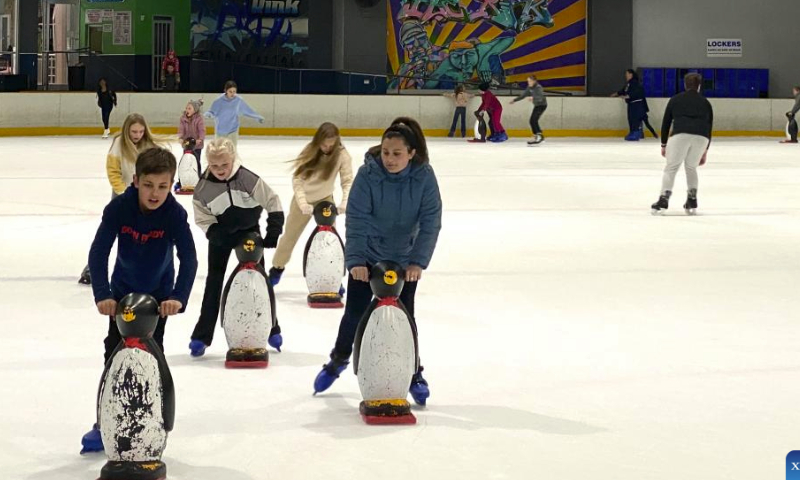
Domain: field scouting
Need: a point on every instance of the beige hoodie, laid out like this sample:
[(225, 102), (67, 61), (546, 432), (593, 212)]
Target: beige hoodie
[(317, 188)]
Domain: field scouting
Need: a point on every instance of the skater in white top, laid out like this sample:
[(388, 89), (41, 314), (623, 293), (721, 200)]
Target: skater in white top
[(691, 119)]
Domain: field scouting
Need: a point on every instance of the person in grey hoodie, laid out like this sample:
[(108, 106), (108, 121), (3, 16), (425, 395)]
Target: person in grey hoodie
[(394, 212), (536, 93), (791, 129)]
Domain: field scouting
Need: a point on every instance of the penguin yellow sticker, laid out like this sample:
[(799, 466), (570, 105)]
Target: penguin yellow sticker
[(390, 277), (128, 315), (326, 212), (249, 246)]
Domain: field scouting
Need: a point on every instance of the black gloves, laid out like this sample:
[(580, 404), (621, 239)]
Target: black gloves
[(215, 235), (270, 241), (274, 229)]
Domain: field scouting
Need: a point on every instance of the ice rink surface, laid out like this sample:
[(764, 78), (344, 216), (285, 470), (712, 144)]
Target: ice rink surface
[(566, 332)]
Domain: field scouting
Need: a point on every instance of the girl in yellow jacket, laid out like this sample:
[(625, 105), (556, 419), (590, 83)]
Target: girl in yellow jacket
[(134, 138), (313, 180)]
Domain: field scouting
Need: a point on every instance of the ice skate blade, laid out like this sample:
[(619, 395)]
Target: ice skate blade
[(691, 211), (242, 364), (409, 419), (658, 213)]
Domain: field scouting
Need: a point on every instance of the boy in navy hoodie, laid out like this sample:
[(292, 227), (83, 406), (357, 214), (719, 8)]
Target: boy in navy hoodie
[(149, 224)]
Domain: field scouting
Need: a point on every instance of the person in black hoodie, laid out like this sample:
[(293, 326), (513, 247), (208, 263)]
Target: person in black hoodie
[(634, 96), (228, 202), (106, 100), (690, 117), (148, 224)]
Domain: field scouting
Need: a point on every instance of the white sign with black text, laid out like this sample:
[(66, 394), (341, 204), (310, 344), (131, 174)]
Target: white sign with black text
[(724, 47)]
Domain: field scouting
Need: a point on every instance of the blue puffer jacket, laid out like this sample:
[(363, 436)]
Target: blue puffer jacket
[(392, 216)]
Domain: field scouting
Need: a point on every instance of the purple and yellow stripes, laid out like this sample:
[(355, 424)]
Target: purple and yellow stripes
[(557, 55)]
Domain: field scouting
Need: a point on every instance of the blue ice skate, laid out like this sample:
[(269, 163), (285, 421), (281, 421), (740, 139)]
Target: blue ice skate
[(92, 441), (330, 372), (275, 341), (197, 348), (419, 388)]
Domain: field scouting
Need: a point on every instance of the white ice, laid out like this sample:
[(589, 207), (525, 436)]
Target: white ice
[(566, 332)]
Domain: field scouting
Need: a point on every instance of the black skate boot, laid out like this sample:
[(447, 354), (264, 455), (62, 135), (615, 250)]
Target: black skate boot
[(660, 207), (691, 203), (86, 277)]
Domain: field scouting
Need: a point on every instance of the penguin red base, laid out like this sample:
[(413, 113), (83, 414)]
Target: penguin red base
[(184, 192), (325, 300), (387, 412), (115, 470), (245, 364), (409, 419), (247, 358)]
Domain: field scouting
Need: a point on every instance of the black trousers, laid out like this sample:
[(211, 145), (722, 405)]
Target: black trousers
[(106, 112), (636, 112), (793, 129), (218, 256), (359, 295), (113, 338), (535, 116), (462, 113)]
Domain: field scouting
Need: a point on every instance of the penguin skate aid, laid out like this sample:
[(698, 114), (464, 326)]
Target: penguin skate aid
[(395, 197), (248, 307), (136, 397), (323, 260), (386, 352)]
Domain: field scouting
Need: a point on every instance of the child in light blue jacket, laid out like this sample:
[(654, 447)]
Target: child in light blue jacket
[(226, 111)]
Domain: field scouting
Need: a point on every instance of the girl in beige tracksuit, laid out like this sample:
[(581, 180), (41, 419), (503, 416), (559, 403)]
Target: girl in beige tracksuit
[(313, 180)]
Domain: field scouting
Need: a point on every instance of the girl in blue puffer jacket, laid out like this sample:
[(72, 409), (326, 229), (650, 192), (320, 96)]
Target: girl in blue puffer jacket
[(394, 213)]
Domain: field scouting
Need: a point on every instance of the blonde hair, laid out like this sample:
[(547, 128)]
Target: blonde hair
[(220, 147), (310, 159), (129, 150)]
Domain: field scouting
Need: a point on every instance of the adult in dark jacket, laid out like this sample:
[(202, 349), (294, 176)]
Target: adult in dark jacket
[(634, 96), (690, 118), (394, 213), (106, 100)]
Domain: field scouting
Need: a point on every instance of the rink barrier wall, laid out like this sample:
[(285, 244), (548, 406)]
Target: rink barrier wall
[(76, 113)]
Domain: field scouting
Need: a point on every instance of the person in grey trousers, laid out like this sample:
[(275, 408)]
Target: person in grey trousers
[(791, 128), (691, 119), (536, 94)]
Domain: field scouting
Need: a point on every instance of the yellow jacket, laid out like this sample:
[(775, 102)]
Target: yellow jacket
[(120, 171)]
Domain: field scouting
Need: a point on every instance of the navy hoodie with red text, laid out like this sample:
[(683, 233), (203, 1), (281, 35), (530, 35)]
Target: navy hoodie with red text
[(145, 261)]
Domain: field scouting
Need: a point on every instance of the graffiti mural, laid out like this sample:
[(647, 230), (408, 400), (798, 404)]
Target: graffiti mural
[(251, 31), (438, 44)]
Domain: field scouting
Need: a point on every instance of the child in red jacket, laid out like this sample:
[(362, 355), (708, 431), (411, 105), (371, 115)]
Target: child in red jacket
[(491, 105)]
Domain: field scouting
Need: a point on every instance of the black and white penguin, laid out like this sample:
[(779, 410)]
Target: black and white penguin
[(386, 354), (248, 307), (323, 260), (188, 169), (479, 134), (136, 398)]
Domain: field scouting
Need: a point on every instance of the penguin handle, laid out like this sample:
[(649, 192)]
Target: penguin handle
[(167, 384)]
